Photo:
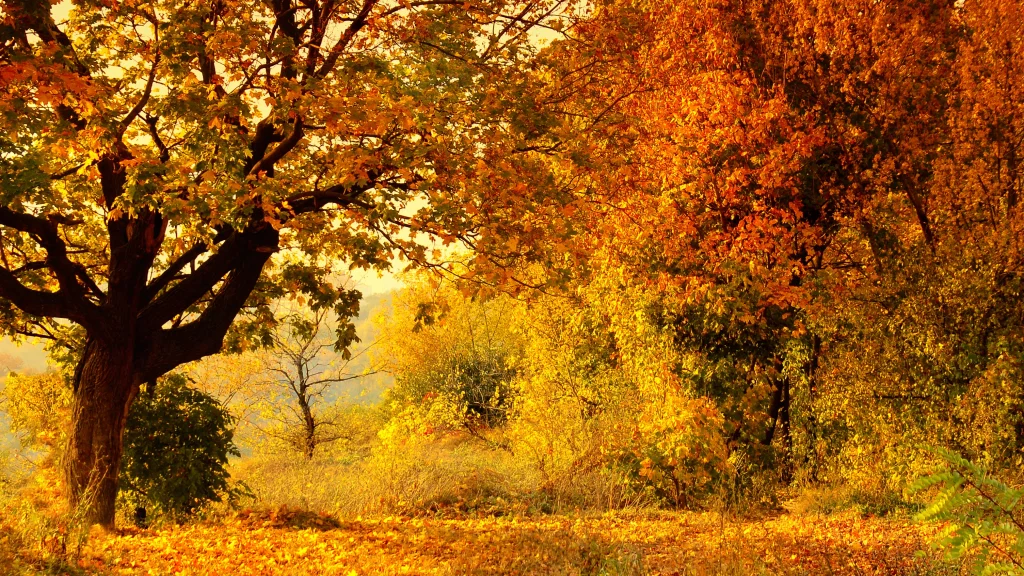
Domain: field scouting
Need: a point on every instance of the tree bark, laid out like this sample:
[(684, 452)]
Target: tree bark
[(786, 472), (773, 413), (124, 351), (811, 370), (309, 428), (105, 387)]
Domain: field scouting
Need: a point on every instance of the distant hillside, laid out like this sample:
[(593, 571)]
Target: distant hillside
[(368, 389), (25, 357)]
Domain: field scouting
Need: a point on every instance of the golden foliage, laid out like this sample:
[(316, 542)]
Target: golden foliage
[(288, 542)]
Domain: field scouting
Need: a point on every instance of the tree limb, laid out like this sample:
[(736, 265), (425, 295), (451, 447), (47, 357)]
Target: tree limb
[(339, 194), (184, 294), (266, 164), (141, 104), (165, 153), (44, 231), (165, 277), (37, 302), (339, 47), (204, 336)]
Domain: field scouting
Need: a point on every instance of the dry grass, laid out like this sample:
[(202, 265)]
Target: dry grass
[(428, 479), (39, 532), (454, 476)]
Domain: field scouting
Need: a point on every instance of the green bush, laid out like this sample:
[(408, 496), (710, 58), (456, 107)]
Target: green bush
[(176, 447)]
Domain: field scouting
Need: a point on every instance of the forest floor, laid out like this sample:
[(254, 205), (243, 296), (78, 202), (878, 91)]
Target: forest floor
[(292, 543)]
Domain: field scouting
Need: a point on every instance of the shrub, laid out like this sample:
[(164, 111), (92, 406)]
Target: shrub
[(39, 408), (176, 448), (986, 522), (678, 451)]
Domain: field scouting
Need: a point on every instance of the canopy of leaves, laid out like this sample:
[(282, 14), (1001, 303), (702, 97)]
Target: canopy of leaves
[(154, 155), (818, 202)]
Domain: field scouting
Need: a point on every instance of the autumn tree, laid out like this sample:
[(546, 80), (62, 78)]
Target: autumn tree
[(767, 160), (8, 364), (157, 155), (795, 184), (931, 349), (307, 369)]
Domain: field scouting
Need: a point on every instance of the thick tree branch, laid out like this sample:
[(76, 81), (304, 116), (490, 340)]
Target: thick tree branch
[(266, 164), (165, 153), (45, 232), (36, 302), (339, 194), (29, 266), (264, 136), (172, 347), (190, 256), (237, 248)]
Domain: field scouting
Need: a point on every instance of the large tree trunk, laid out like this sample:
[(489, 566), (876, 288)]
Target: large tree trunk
[(105, 388), (130, 345)]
